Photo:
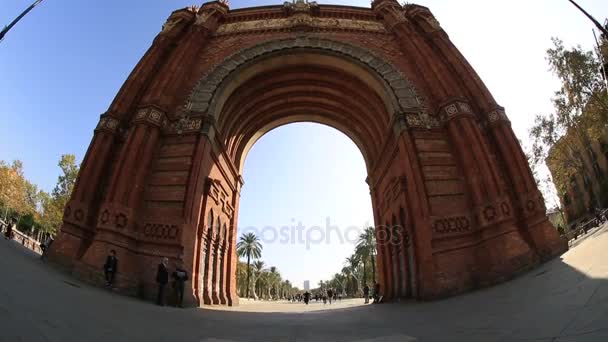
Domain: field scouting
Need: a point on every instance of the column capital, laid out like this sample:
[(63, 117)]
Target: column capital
[(107, 123), (454, 109), (497, 116), (151, 115)]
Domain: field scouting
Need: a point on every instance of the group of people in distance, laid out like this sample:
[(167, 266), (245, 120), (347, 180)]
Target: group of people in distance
[(330, 294), (179, 275)]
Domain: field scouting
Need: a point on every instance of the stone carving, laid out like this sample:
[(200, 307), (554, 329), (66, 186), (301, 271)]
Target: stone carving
[(455, 224), (108, 123), (161, 231), (454, 109), (494, 212), (299, 20), (403, 92), (300, 5), (497, 115), (152, 116)]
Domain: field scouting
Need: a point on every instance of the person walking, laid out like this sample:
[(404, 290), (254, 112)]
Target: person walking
[(330, 295), (162, 278), (180, 276), (366, 293), (45, 247), (8, 234), (110, 268), (377, 296)]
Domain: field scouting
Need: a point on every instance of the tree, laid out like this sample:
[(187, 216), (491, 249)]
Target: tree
[(259, 277), (66, 181), (352, 263), (581, 114), (249, 246)]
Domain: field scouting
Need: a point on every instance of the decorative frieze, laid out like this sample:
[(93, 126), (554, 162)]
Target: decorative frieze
[(161, 231), (532, 204), (76, 213), (451, 225), (114, 217), (329, 24), (495, 212)]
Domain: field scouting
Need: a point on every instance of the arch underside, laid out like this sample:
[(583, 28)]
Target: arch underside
[(303, 86)]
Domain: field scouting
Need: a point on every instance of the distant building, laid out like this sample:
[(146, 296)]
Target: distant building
[(306, 285), (582, 190)]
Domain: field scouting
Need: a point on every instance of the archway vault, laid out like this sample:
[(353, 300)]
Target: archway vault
[(455, 204)]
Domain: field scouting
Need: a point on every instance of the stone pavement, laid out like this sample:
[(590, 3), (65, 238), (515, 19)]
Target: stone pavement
[(563, 300)]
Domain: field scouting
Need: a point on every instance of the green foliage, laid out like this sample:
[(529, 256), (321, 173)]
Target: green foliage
[(580, 114), (26, 222), (34, 207)]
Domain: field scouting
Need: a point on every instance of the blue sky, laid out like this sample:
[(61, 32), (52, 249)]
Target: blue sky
[(62, 65)]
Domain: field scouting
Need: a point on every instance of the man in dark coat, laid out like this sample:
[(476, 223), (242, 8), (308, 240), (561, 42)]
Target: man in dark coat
[(110, 268), (162, 278), (366, 293), (180, 276)]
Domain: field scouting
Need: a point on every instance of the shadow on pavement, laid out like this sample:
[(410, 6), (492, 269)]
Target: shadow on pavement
[(565, 299)]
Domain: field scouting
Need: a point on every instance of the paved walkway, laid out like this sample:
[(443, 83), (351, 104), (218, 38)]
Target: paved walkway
[(564, 300)]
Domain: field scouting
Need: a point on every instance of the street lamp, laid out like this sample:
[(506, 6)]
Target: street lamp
[(599, 26), (10, 26)]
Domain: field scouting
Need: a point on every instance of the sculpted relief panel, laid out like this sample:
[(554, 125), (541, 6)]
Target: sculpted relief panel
[(296, 20)]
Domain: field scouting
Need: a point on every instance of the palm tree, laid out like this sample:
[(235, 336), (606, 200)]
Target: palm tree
[(367, 244), (249, 246), (352, 263), (260, 277), (362, 253)]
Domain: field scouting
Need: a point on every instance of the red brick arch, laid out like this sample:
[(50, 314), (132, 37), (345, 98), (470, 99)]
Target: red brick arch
[(447, 176)]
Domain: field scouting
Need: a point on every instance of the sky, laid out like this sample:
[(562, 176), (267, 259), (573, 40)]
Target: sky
[(61, 66)]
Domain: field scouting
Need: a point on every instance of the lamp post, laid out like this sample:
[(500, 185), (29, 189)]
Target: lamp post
[(597, 23), (10, 26)]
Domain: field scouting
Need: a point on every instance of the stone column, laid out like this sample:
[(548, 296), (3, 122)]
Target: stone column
[(530, 203), (217, 247), (416, 201), (116, 227), (208, 267), (502, 250), (79, 214), (233, 259), (175, 75)]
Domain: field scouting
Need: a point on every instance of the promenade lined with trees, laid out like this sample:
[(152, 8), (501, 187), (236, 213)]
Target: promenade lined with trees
[(38, 213)]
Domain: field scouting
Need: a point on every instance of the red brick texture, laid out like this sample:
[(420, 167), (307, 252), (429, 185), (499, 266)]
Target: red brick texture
[(455, 203)]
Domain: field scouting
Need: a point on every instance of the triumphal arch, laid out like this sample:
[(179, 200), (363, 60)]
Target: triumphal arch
[(455, 204)]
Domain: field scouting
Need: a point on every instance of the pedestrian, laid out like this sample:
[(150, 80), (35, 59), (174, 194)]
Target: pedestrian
[(377, 296), (9, 229), (330, 295), (45, 247), (110, 268), (306, 297), (366, 293), (180, 276), (162, 278)]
